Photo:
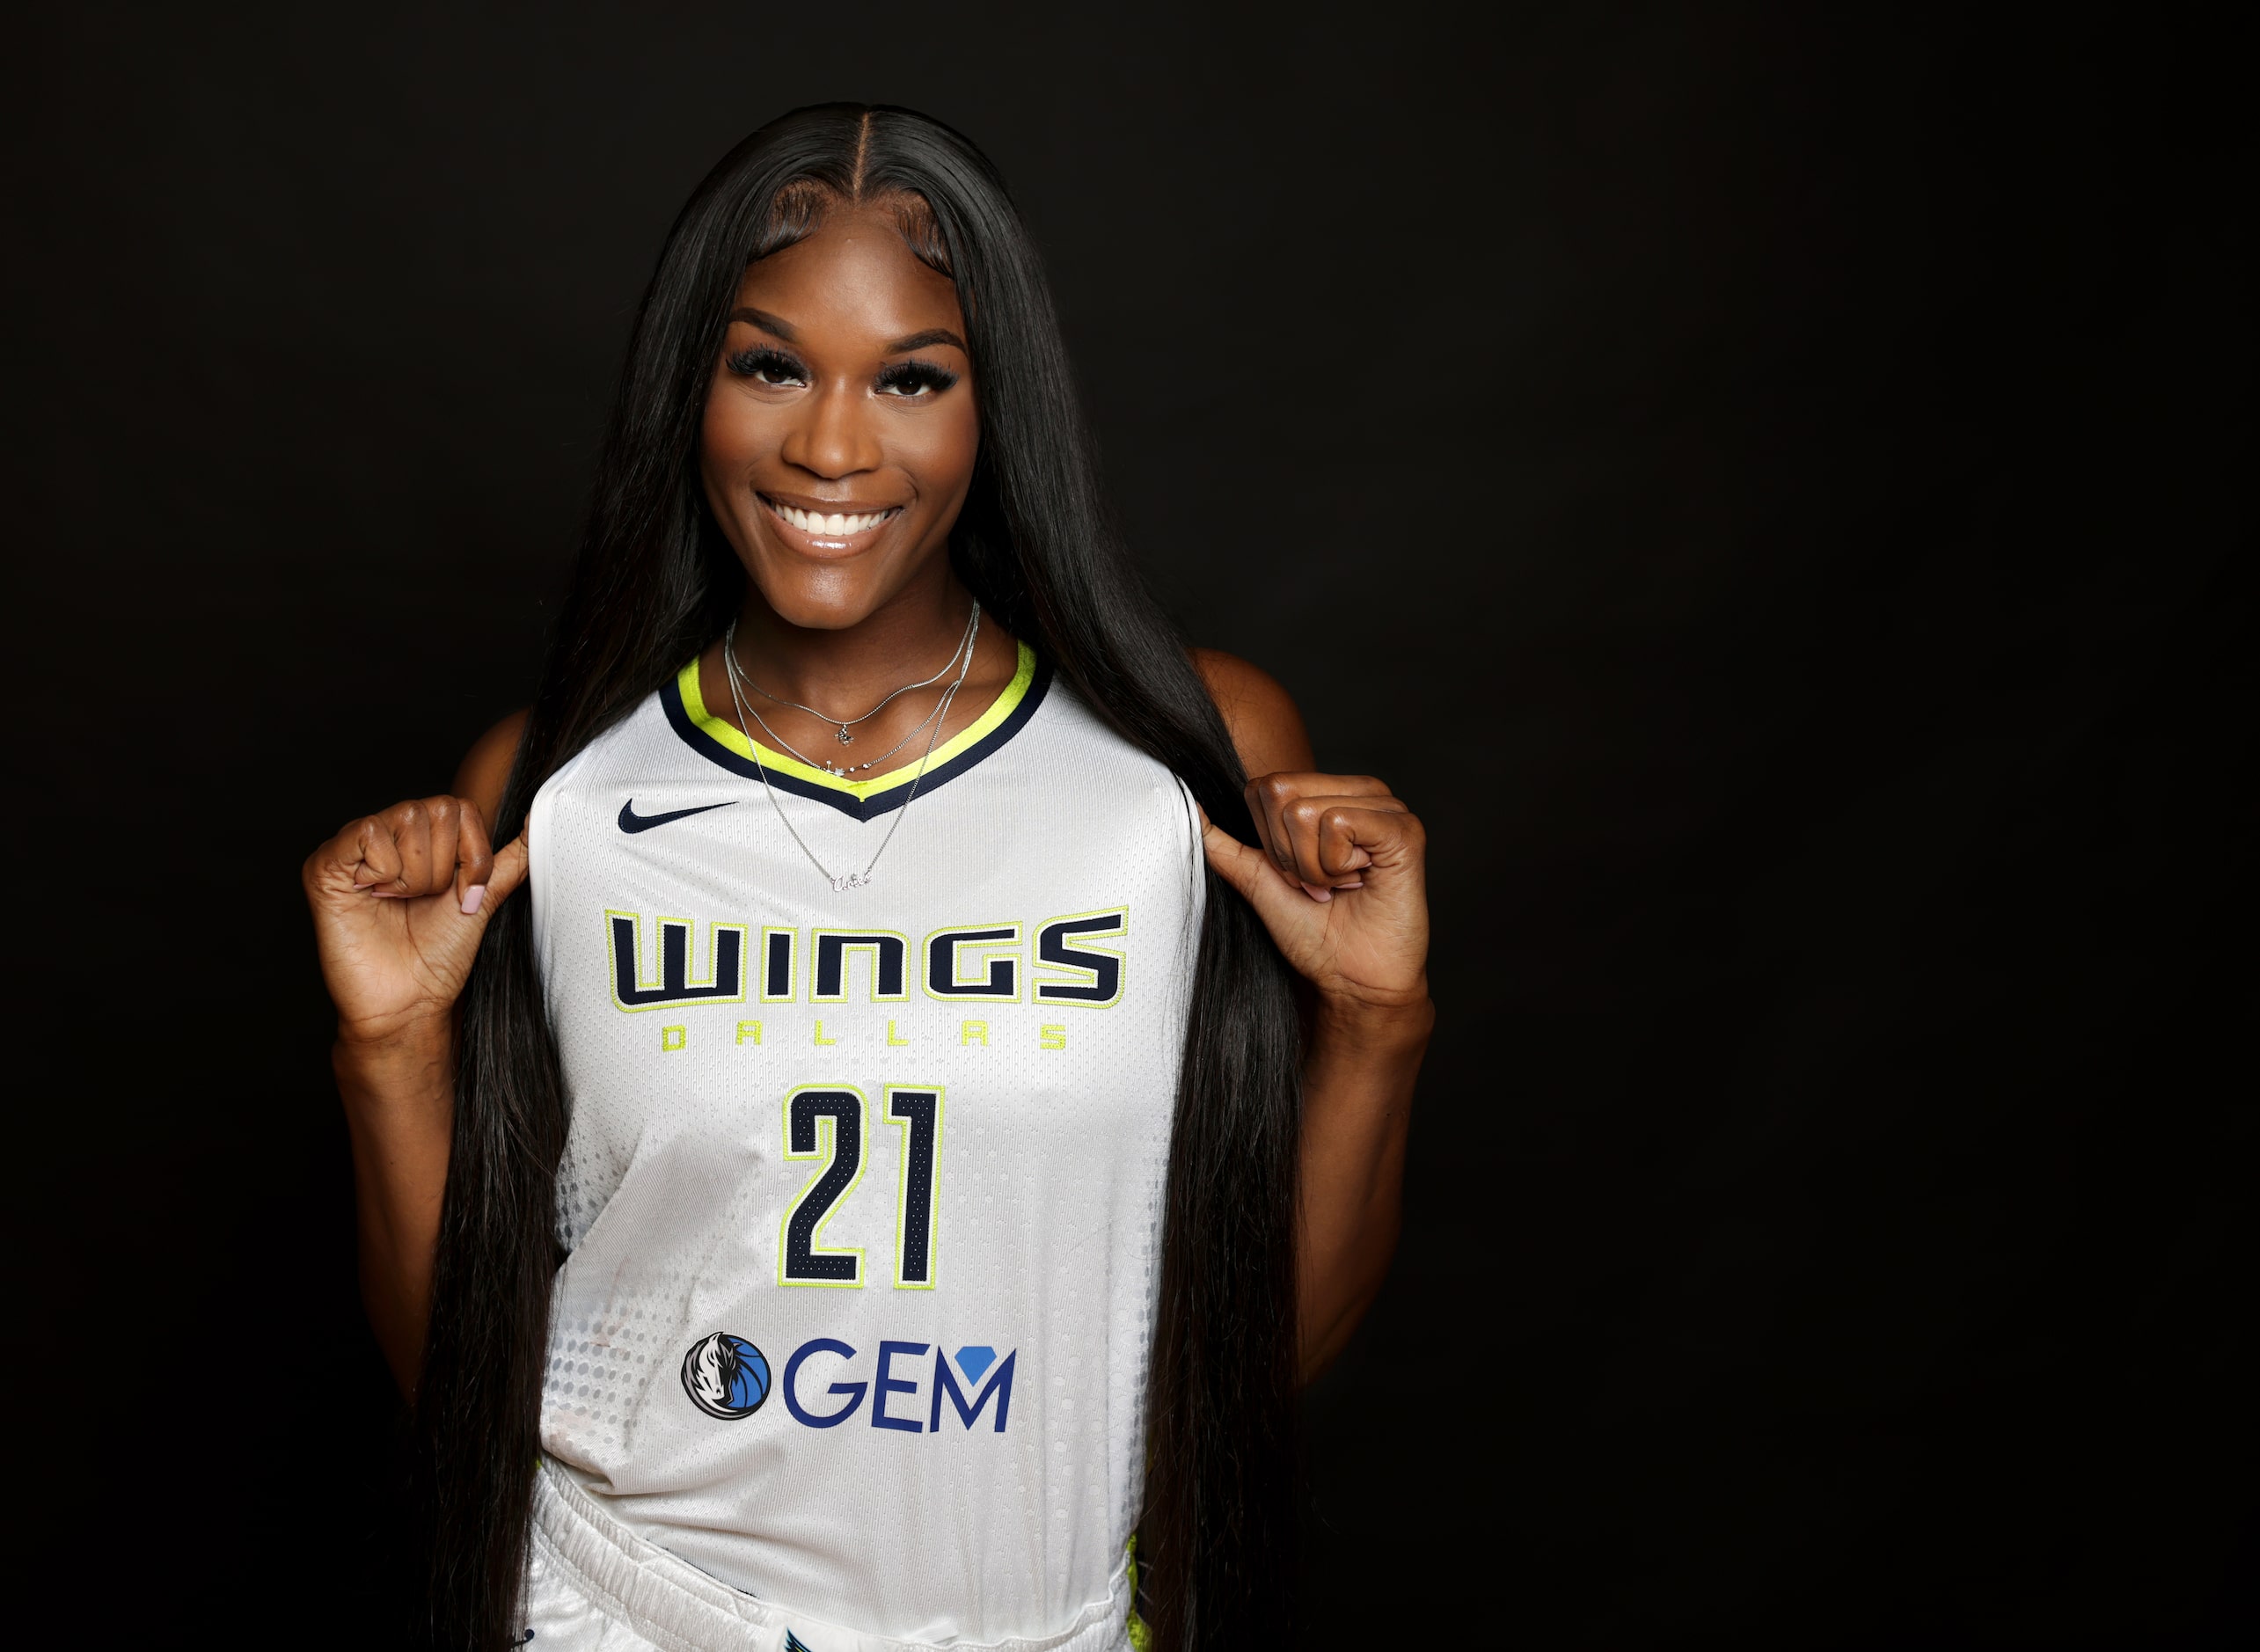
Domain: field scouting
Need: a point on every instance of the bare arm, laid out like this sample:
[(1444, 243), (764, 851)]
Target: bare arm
[(399, 901), (1338, 880)]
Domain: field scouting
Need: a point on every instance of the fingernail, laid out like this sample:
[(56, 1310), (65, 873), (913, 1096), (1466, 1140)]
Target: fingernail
[(1349, 883), (1316, 893), (473, 898)]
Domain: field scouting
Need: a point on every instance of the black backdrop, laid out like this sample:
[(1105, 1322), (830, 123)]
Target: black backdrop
[(1771, 485)]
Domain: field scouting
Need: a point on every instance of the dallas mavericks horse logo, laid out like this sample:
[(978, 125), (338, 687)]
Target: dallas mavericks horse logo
[(726, 1375)]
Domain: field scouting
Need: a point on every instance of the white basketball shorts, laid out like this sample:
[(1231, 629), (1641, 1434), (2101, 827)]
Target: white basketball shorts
[(594, 1586)]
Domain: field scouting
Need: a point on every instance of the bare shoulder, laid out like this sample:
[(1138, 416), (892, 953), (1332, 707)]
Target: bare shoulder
[(485, 768), (1260, 716)]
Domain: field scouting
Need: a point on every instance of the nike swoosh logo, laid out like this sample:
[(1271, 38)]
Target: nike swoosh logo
[(632, 821)]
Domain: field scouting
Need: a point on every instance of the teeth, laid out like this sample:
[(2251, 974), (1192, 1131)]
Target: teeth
[(836, 525)]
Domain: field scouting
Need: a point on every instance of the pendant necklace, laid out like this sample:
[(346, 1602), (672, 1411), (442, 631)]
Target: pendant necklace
[(843, 880), (832, 769), (844, 738)]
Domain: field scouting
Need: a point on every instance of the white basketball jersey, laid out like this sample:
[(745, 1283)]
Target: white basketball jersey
[(863, 1188)]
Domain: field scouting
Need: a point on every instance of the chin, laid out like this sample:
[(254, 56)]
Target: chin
[(816, 614), (830, 592), (818, 603)]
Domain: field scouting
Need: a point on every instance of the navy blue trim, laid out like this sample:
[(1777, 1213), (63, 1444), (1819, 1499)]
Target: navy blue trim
[(670, 699)]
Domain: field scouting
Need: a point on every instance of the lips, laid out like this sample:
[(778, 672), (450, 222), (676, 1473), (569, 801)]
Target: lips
[(837, 524)]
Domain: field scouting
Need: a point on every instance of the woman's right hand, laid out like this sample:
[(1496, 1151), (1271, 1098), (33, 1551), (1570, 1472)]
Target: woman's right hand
[(400, 900)]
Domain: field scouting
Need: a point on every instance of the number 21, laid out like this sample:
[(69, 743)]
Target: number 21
[(826, 1122)]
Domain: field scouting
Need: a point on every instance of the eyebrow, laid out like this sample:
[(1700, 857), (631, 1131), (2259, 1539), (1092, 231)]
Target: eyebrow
[(919, 340), (783, 329), (766, 322)]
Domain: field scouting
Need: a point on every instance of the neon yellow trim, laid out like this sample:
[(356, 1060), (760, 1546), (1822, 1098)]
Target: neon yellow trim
[(1141, 1635), (730, 738)]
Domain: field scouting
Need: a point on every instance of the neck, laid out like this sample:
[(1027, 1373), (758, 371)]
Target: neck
[(849, 669)]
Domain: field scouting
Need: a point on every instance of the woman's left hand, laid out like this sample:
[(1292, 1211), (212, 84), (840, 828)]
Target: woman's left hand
[(1339, 881)]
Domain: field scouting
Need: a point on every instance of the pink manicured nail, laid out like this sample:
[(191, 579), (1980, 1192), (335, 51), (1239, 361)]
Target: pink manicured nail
[(1316, 893), (1349, 883), (473, 898)]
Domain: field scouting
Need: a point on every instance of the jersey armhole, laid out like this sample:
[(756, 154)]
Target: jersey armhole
[(539, 833), (1197, 876)]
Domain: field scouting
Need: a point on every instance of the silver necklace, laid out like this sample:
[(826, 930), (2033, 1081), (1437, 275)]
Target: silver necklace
[(843, 880), (738, 685), (846, 739)]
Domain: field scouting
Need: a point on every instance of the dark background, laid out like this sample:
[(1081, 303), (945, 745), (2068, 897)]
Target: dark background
[(1771, 485)]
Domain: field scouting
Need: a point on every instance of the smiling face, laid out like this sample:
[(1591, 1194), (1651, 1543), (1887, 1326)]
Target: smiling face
[(840, 427)]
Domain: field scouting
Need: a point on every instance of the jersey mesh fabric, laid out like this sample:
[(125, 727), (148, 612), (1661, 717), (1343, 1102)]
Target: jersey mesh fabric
[(1048, 1167)]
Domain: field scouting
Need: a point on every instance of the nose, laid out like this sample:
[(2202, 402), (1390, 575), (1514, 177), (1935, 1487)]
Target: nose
[(834, 435)]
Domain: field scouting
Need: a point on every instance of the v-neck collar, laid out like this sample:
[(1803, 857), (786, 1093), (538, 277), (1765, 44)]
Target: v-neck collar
[(722, 743)]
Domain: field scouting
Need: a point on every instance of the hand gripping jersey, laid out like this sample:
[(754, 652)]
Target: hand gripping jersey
[(862, 1193)]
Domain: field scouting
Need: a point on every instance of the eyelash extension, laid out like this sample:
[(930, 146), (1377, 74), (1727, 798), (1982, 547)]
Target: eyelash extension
[(911, 377), (761, 359)]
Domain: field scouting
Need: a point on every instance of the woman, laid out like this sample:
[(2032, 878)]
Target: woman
[(876, 1169)]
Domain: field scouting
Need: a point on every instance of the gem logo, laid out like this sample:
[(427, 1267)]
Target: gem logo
[(921, 1410), (726, 1377)]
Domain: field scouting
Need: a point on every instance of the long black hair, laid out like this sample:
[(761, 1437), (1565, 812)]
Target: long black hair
[(653, 584)]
